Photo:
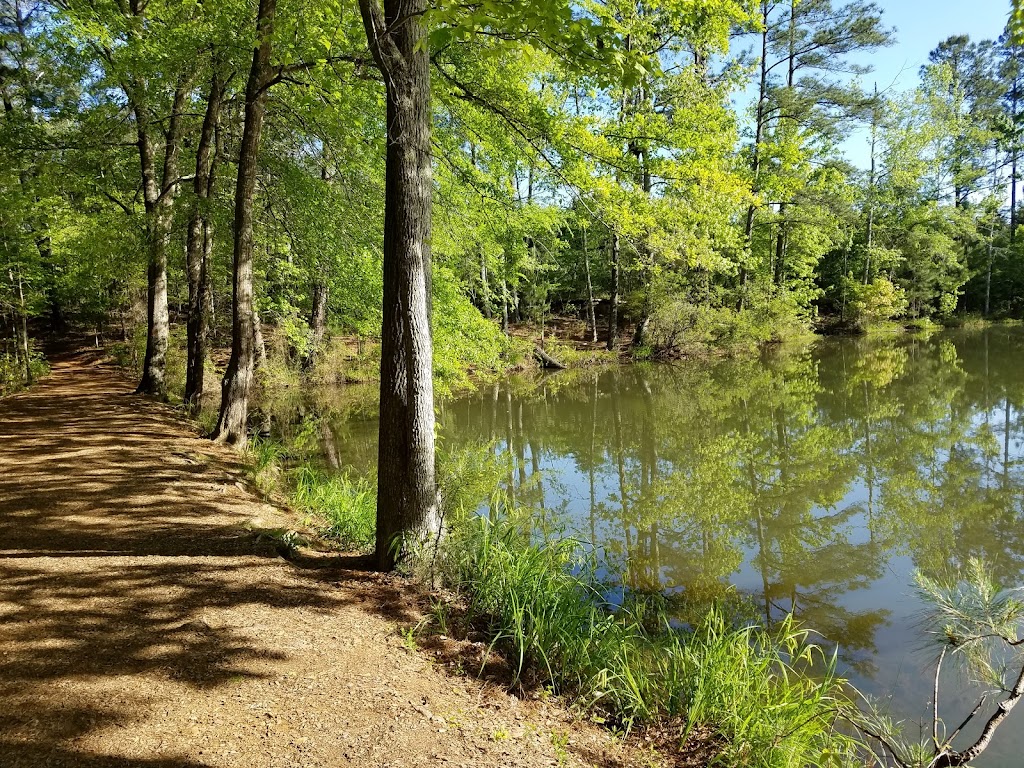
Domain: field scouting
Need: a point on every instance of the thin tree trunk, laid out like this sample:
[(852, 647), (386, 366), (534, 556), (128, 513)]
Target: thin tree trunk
[(871, 192), (27, 357), (36, 221), (1014, 98), (780, 248), (237, 384), (485, 290), (613, 309), (1013, 197), (755, 163), (991, 233), (640, 335), (988, 273), (199, 246), (504, 307), (259, 349), (782, 238), (408, 509), (591, 317)]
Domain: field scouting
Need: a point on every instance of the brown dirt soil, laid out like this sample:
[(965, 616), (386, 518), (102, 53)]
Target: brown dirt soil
[(144, 624)]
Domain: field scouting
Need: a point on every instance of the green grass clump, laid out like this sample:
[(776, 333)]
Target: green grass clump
[(265, 458), (344, 509), (771, 696)]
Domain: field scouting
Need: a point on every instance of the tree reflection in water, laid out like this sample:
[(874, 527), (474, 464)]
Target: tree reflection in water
[(810, 481)]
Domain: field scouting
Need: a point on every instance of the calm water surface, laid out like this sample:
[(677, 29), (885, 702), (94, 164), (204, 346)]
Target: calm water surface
[(814, 481)]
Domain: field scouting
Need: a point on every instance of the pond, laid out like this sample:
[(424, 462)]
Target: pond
[(814, 481)]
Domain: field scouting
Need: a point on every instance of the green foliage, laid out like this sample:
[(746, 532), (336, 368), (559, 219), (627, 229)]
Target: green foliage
[(975, 617), (12, 370), (342, 508), (679, 327), (464, 342), (875, 302), (265, 458)]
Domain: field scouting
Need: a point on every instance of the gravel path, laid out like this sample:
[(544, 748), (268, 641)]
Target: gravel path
[(143, 624)]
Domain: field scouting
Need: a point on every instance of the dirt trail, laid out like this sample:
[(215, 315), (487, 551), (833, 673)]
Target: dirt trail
[(142, 624)]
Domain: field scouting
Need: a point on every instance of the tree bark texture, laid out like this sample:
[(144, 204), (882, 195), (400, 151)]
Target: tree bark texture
[(158, 195), (237, 383), (613, 308), (200, 244), (317, 322), (408, 513), (591, 318)]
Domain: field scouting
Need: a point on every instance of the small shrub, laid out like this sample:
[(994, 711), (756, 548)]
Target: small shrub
[(265, 457), (465, 342), (874, 303), (571, 357), (343, 360), (124, 355), (970, 322), (679, 327), (947, 304), (130, 354), (12, 371)]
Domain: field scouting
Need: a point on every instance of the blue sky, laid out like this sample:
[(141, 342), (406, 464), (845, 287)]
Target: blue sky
[(920, 26)]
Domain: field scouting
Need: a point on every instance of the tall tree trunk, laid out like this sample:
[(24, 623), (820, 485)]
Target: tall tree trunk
[(782, 238), (485, 290), (780, 248), (640, 335), (199, 246), (991, 233), (870, 239), (408, 508), (27, 357), (259, 349), (317, 322), (755, 160), (158, 195), (1013, 197), (613, 309), (36, 222), (504, 307), (591, 317), (237, 384), (1014, 152)]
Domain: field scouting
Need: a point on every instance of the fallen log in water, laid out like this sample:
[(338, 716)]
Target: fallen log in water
[(546, 360)]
